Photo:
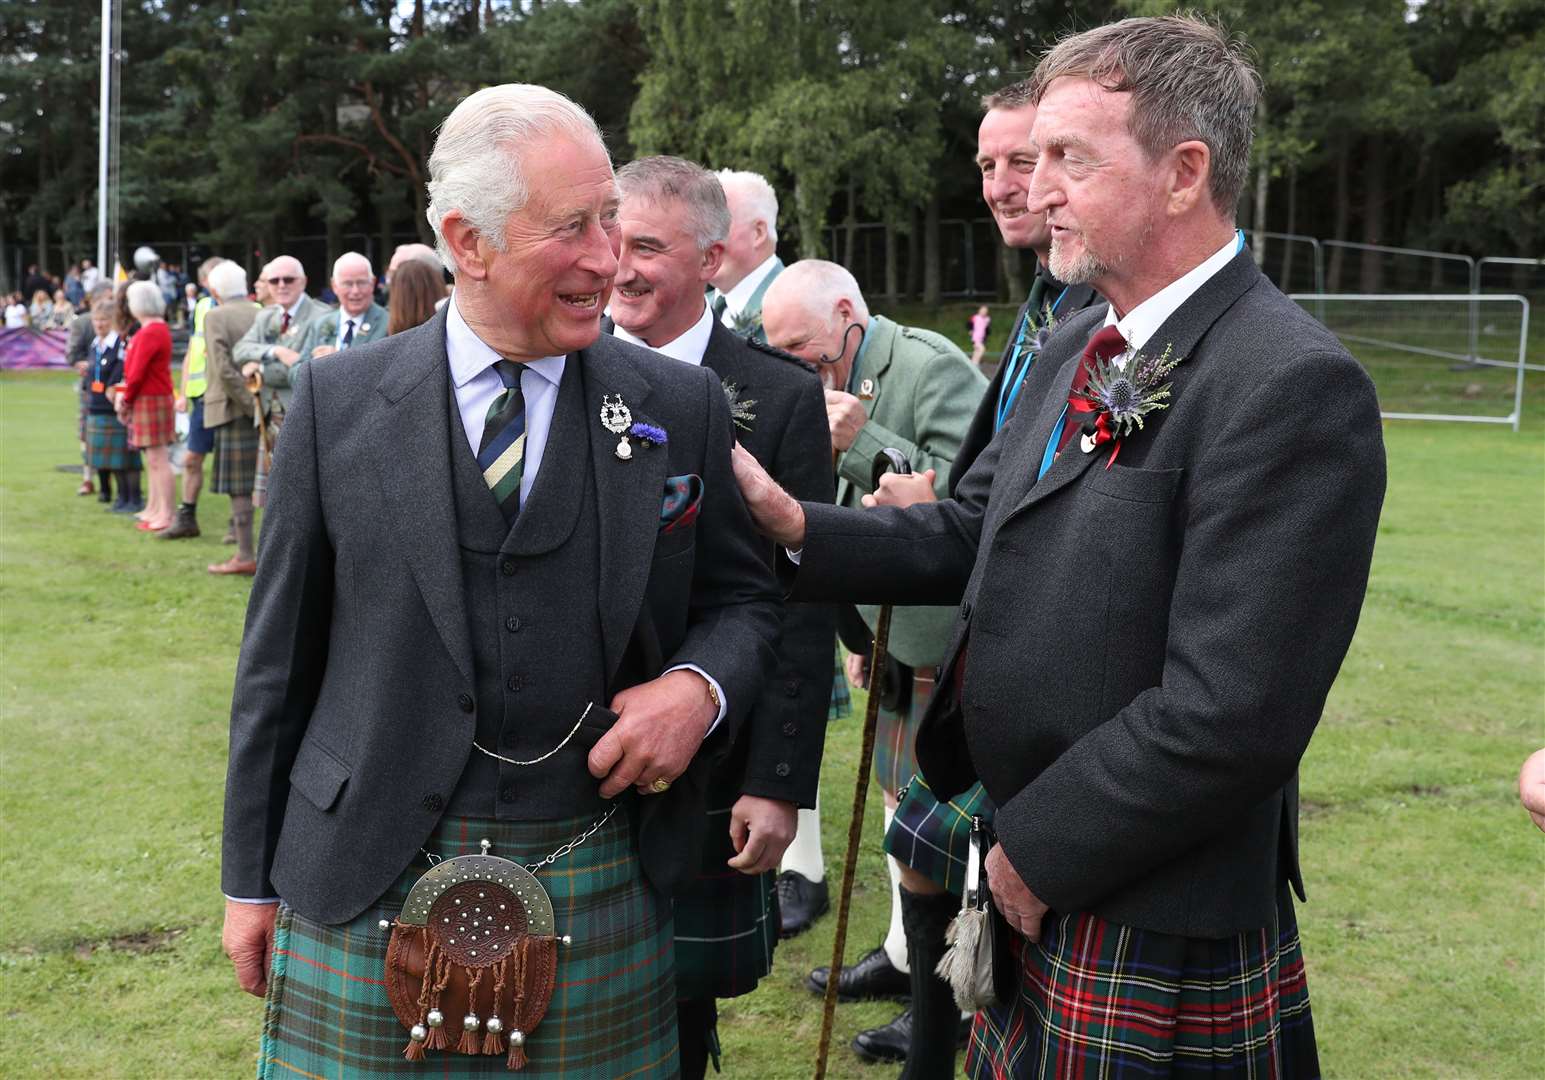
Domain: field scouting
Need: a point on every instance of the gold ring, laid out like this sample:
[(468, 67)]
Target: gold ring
[(660, 785)]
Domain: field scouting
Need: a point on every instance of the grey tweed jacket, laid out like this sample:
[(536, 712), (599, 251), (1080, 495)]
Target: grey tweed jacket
[(1145, 647), (349, 729)]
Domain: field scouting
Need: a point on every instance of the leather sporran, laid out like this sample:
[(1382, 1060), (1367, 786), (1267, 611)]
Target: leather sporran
[(475, 946), (968, 964)]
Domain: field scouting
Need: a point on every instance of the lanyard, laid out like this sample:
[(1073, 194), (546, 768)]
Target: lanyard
[(1008, 393)]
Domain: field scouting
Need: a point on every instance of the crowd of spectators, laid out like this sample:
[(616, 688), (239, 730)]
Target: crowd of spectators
[(243, 343)]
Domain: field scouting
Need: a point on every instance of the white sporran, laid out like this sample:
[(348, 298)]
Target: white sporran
[(967, 964)]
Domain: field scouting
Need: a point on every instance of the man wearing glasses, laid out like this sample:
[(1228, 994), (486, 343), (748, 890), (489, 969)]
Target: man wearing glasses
[(358, 319), (272, 346)]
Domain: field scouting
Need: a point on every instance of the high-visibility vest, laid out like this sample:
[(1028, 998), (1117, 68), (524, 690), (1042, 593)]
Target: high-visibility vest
[(193, 362)]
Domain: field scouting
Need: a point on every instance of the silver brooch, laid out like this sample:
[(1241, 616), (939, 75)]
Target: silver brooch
[(616, 419), (866, 390)]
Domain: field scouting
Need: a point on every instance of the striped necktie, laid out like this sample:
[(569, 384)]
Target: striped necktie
[(348, 335), (502, 453)]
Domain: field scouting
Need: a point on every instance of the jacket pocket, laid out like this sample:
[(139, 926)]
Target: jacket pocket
[(1138, 485), (318, 774)]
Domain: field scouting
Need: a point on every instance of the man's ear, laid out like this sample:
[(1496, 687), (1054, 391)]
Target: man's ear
[(845, 311), (713, 260), (1190, 177), (467, 246), (759, 230)]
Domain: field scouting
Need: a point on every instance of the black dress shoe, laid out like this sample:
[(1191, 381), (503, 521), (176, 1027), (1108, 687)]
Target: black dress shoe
[(800, 902), (890, 1042), (874, 976)]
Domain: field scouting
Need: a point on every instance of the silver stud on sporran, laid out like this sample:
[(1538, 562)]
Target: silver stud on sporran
[(495, 1025), (435, 1018), (419, 1033)]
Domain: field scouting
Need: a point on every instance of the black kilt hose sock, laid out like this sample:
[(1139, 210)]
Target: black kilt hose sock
[(697, 1037), (105, 484), (935, 1017)]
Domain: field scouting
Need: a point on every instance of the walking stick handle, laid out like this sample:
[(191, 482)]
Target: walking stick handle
[(887, 460)]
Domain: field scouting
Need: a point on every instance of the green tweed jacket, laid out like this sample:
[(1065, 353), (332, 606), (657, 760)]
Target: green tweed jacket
[(920, 392)]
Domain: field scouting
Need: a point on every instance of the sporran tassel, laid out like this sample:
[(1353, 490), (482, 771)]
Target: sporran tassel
[(469, 1039), (958, 964), (436, 976), (493, 1041)]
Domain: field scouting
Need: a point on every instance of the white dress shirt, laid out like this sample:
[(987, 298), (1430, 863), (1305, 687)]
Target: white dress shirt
[(344, 318), (736, 299), (688, 347)]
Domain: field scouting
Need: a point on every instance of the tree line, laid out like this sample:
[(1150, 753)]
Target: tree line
[(1415, 123)]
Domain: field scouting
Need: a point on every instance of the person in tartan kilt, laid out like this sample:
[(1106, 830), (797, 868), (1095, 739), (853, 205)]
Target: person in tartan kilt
[(228, 410), (1145, 645), (107, 440), (888, 386), (928, 836), (508, 594), (674, 219)]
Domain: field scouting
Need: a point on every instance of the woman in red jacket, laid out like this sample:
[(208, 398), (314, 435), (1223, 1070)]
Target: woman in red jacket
[(145, 402)]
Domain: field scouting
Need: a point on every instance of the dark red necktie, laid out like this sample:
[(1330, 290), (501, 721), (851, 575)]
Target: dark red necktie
[(284, 324), (1105, 345)]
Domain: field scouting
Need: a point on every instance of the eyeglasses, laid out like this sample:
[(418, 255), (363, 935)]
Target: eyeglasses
[(282, 280), (360, 283)]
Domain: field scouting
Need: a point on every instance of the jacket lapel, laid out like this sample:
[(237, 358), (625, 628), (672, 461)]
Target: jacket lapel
[(628, 492), (415, 439)]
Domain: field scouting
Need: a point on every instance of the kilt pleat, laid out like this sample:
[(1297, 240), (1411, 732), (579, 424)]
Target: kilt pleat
[(152, 421), (613, 1010), (236, 458), (842, 698), (933, 837), (1097, 999), (107, 444), (895, 739), (726, 922)]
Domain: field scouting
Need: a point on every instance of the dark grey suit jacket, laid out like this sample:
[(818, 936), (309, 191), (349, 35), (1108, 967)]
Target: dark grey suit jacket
[(350, 724), (1147, 647)]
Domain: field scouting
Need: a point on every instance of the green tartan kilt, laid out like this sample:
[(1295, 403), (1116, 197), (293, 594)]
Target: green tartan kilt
[(107, 444), (236, 458), (842, 699), (726, 922), (895, 737), (613, 1010), (934, 838)]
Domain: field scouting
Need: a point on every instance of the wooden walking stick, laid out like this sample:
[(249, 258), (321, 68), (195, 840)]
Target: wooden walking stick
[(887, 460), (265, 441)]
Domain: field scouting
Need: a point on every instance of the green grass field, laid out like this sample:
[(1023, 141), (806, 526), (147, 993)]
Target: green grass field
[(1424, 930)]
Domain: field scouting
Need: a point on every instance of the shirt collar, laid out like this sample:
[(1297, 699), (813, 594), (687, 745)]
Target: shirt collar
[(687, 347), (294, 309), (469, 355), (736, 299), (106, 342), (1143, 321)]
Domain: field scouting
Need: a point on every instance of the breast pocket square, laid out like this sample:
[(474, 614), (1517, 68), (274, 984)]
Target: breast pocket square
[(681, 503)]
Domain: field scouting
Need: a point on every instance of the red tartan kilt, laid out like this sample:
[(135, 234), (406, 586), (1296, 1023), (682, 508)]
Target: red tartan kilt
[(1099, 999), (152, 422)]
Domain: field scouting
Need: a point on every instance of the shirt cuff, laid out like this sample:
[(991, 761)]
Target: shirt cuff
[(794, 554), (252, 900), (717, 689)]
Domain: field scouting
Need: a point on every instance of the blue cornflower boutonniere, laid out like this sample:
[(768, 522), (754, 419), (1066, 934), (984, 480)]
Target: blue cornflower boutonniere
[(1119, 398)]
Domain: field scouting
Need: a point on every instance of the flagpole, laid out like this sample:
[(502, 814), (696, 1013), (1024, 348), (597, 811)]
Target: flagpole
[(104, 102)]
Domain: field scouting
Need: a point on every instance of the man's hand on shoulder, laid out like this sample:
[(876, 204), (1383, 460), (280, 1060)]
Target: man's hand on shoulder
[(761, 829), (660, 725), (902, 490), (1021, 907), (775, 512), (248, 939)]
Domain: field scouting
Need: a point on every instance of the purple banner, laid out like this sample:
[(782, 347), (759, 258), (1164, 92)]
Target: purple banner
[(27, 348)]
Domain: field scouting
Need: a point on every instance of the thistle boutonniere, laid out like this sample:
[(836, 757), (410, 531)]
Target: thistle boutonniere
[(740, 408), (1119, 398), (748, 323)]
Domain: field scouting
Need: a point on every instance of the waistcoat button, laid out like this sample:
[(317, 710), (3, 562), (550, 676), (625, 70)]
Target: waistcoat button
[(507, 793), (782, 769), (466, 702), (512, 624), (433, 803), (516, 683), (507, 567)]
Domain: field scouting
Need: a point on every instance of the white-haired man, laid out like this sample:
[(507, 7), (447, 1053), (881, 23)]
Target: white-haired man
[(272, 346), (230, 410), (673, 222), (508, 599), (1145, 645), (887, 386), (750, 262), (358, 319)]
